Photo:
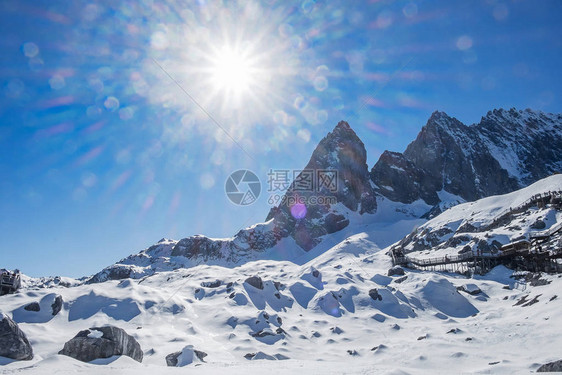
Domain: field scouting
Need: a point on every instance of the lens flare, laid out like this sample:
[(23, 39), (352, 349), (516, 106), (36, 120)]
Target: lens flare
[(232, 71), (298, 211)]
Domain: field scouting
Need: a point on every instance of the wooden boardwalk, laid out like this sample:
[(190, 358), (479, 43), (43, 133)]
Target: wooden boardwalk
[(524, 260)]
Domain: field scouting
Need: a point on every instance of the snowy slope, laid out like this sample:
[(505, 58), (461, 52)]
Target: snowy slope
[(488, 223), (338, 313), (330, 310)]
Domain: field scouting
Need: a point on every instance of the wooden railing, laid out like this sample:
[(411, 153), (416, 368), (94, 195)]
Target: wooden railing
[(448, 259)]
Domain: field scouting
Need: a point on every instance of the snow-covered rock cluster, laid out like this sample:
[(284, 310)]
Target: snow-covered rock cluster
[(483, 226)]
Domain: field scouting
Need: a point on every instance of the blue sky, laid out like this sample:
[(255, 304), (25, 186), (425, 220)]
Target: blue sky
[(102, 154)]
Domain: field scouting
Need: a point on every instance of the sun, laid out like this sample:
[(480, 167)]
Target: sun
[(233, 72)]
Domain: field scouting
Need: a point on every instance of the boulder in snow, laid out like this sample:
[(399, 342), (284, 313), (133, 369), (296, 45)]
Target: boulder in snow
[(262, 355), (57, 305), (13, 342), (396, 271), (33, 306), (186, 356), (255, 281), (471, 289), (374, 294), (211, 284), (102, 342)]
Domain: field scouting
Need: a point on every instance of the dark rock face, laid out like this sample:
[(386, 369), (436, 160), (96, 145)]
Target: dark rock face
[(33, 306), (507, 150), (113, 272), (102, 342), (57, 305), (211, 284), (13, 342), (255, 281), (172, 359), (399, 179), (374, 294), (342, 152), (198, 246), (555, 366), (396, 271)]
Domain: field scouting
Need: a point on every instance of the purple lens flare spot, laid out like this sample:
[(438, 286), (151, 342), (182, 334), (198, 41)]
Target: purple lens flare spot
[(298, 211)]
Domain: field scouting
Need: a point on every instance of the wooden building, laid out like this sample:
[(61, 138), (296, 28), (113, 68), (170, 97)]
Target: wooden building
[(10, 282)]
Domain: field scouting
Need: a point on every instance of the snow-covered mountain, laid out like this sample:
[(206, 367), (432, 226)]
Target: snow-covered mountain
[(261, 302), (340, 152), (447, 164), (451, 162)]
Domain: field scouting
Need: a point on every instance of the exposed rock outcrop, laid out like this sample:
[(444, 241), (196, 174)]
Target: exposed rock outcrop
[(33, 306), (13, 342), (555, 366), (185, 357), (56, 306), (102, 342)]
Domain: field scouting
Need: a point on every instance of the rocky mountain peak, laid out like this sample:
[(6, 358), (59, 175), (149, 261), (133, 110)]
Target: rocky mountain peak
[(507, 150), (519, 120), (441, 122), (339, 158), (343, 126), (341, 144), (438, 116)]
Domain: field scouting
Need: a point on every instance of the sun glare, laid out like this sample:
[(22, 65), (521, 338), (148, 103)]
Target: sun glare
[(233, 72)]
